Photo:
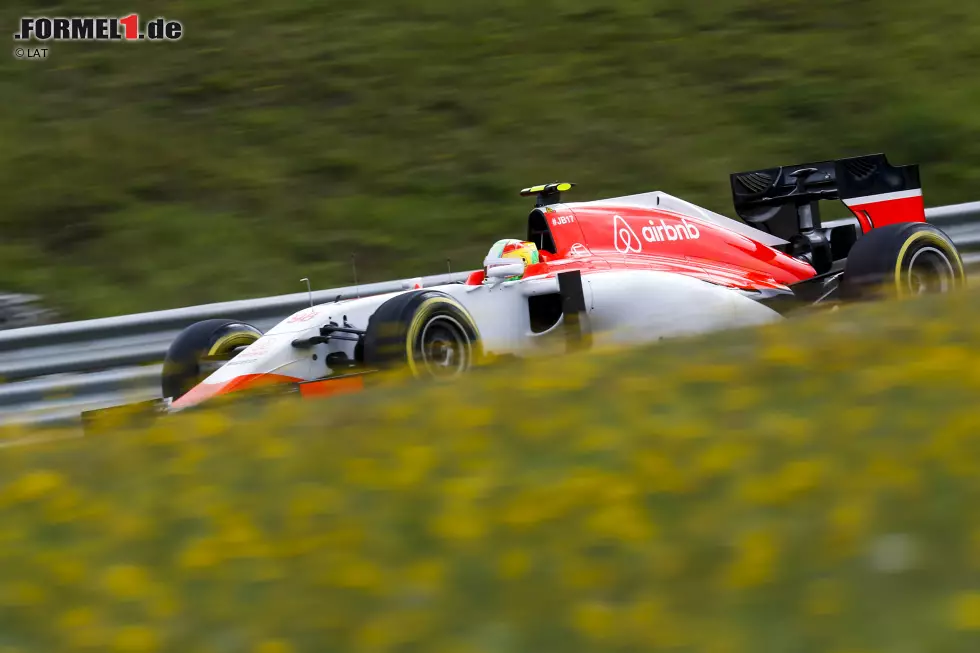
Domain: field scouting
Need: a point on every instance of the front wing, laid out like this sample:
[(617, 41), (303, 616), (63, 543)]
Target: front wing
[(146, 413)]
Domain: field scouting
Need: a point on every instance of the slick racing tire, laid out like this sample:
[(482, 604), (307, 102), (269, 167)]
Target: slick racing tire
[(902, 260), (215, 340), (427, 331)]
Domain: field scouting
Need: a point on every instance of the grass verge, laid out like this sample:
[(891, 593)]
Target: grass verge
[(809, 486)]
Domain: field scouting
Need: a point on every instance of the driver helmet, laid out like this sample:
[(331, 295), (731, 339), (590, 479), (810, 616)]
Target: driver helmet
[(514, 248)]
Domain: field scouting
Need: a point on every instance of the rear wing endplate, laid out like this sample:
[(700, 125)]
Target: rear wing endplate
[(782, 200)]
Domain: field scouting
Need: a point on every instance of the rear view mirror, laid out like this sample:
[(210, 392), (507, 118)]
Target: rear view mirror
[(502, 268)]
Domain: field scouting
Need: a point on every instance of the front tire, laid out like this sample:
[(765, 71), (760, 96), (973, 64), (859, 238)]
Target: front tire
[(213, 339), (428, 331), (902, 260)]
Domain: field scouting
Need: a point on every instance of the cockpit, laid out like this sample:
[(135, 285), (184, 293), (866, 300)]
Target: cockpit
[(539, 233)]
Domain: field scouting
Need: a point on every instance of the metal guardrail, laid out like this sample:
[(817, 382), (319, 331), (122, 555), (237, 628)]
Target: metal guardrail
[(114, 342), (53, 372), (962, 223), (17, 311)]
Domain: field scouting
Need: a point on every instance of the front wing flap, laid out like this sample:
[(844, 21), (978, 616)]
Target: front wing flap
[(145, 413)]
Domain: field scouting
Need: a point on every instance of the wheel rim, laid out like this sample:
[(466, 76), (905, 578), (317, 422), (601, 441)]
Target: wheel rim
[(445, 347), (930, 271)]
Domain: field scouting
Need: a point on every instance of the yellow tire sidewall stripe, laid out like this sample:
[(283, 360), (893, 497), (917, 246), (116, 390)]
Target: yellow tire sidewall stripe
[(423, 311), (934, 238), (229, 341)]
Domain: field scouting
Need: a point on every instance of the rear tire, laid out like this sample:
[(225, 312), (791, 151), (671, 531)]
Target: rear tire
[(218, 338), (902, 260), (428, 331)]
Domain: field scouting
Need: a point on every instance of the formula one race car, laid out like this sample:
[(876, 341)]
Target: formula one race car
[(626, 270)]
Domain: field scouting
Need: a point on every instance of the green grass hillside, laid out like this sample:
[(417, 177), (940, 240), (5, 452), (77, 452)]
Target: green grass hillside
[(277, 138), (738, 493)]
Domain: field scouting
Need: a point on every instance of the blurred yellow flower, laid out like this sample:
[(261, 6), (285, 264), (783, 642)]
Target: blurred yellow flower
[(273, 646), (594, 619), (22, 593), (786, 354), (76, 618), (126, 581), (136, 639), (427, 574), (275, 448), (32, 485), (756, 557), (211, 423), (413, 464), (849, 521), (464, 524), (966, 611), (513, 564), (721, 457), (621, 521), (741, 397), (199, 553), (358, 573)]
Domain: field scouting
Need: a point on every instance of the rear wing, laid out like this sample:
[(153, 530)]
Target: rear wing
[(783, 200)]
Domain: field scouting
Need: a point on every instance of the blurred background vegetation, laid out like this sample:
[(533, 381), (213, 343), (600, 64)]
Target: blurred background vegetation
[(277, 138)]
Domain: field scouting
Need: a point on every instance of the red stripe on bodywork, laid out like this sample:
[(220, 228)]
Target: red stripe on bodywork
[(204, 391), (330, 387)]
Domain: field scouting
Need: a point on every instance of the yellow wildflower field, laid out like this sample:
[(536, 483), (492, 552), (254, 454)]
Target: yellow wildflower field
[(810, 486)]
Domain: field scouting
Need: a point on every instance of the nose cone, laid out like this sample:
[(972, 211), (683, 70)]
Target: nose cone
[(209, 389)]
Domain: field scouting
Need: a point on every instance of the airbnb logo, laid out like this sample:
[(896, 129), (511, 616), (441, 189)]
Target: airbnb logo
[(626, 240), (624, 237), (654, 233)]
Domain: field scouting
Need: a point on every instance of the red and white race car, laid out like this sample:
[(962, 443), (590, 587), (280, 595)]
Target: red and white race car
[(628, 269)]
